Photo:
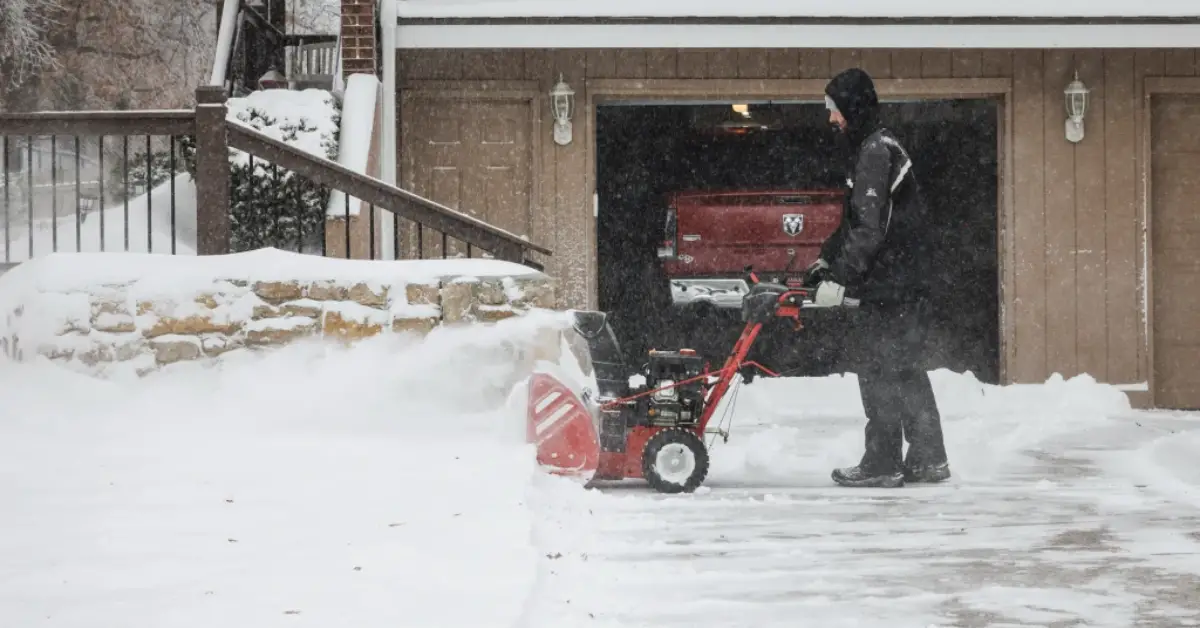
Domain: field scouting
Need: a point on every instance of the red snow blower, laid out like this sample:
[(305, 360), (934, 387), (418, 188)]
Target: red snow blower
[(653, 430)]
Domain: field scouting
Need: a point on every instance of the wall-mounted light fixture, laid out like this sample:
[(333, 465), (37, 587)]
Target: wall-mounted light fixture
[(1077, 101), (562, 105)]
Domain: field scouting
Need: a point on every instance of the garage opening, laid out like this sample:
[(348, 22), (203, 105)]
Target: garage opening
[(647, 152)]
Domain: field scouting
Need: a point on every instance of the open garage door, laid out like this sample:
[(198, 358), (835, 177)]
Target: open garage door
[(1176, 228), (646, 152)]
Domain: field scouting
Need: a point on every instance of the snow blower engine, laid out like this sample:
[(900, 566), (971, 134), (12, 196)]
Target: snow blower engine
[(677, 399), (650, 425)]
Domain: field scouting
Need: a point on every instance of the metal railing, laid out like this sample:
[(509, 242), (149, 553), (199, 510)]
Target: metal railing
[(93, 200), (167, 185)]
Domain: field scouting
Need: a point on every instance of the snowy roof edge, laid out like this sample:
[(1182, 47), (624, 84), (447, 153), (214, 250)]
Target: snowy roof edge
[(815, 9)]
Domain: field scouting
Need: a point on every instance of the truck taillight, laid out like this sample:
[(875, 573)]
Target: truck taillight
[(669, 248)]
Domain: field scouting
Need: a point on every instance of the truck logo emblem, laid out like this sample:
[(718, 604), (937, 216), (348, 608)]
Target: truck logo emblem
[(793, 224)]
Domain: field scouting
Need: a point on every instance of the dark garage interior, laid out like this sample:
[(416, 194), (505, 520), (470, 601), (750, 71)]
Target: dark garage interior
[(647, 151)]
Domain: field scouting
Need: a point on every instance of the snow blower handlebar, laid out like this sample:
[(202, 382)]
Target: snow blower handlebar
[(765, 301), (772, 299)]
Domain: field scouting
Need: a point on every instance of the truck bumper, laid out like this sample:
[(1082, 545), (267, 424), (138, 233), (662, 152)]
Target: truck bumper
[(723, 293)]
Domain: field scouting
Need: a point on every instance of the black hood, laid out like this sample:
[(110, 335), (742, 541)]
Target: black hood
[(853, 92)]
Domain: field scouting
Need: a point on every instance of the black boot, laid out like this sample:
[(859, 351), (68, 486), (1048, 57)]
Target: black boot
[(881, 465), (856, 477), (926, 460), (931, 473)]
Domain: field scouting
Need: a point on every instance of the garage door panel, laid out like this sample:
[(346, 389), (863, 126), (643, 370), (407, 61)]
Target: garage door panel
[(1175, 203), (1174, 117), (1174, 185), (1177, 323), (1175, 364), (1179, 248), (1180, 258), (1175, 174)]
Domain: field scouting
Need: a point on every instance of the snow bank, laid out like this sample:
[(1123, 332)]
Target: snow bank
[(148, 223), (796, 428), (383, 485), (114, 313), (789, 8), (1160, 456)]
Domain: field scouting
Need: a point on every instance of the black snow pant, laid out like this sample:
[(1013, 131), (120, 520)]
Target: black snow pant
[(891, 363)]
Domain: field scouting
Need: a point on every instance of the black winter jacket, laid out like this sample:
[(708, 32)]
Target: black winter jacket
[(882, 251)]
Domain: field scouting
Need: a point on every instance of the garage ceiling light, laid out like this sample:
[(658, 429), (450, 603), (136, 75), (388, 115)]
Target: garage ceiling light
[(742, 109)]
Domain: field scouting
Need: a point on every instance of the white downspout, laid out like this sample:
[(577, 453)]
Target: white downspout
[(225, 34), (388, 143)]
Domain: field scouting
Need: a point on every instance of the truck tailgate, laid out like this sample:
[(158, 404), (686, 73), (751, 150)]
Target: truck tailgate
[(721, 233)]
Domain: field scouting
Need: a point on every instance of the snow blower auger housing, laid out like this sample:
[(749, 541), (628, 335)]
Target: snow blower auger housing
[(655, 429)]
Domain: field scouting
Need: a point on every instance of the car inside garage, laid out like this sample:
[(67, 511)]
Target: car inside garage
[(648, 151)]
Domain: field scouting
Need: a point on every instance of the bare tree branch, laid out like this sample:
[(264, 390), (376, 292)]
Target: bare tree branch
[(101, 54), (24, 45)]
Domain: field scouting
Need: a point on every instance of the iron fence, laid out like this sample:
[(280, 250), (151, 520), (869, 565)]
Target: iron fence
[(192, 182), (74, 182)]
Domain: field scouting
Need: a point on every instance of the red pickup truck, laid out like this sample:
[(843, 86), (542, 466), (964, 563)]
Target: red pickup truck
[(710, 237)]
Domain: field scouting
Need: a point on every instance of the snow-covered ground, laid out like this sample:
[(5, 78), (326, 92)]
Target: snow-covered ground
[(388, 485), (308, 487), (1067, 508)]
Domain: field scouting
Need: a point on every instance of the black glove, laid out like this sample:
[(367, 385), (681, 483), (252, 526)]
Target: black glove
[(816, 273), (748, 372)]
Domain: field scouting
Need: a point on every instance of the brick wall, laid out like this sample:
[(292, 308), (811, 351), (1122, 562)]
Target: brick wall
[(358, 37)]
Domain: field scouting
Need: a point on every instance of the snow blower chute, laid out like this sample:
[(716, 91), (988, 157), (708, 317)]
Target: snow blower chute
[(563, 428), (655, 429)]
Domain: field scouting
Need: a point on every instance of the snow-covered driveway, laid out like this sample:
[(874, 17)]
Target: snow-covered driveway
[(384, 486), (1087, 522)]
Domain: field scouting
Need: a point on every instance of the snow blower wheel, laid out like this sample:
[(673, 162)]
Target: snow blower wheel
[(675, 460)]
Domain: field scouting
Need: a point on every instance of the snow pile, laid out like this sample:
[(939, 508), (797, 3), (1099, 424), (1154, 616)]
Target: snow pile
[(384, 485), (1161, 456), (305, 119), (792, 428), (112, 314)]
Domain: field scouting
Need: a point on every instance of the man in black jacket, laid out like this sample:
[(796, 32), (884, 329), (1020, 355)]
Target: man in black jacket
[(882, 254)]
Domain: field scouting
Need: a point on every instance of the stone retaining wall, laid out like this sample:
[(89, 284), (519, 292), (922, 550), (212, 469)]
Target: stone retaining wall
[(140, 325)]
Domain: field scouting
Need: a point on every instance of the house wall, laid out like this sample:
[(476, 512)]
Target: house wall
[(1073, 296)]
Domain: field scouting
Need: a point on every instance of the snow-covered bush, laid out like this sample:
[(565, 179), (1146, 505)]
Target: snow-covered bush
[(272, 206)]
